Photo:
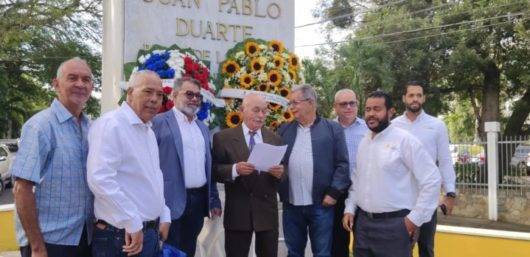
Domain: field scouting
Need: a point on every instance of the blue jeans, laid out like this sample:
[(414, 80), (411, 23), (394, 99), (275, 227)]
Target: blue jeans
[(297, 220), (109, 242)]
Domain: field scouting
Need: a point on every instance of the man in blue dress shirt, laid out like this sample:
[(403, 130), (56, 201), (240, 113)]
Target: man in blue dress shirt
[(346, 108), (51, 193)]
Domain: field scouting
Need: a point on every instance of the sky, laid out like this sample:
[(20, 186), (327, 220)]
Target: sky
[(306, 35), (310, 34)]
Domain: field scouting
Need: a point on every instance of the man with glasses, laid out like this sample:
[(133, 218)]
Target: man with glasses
[(251, 205), (346, 108), (318, 175), (185, 160)]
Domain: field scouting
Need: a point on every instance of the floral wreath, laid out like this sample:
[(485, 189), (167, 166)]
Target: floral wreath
[(172, 63), (263, 67)]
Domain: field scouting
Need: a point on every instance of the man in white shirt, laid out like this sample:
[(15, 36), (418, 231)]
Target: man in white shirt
[(395, 186), (125, 176), (432, 133), (185, 160)]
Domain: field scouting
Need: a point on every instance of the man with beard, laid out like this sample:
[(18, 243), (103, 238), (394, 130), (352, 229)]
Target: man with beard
[(251, 206), (395, 186), (185, 160), (432, 133)]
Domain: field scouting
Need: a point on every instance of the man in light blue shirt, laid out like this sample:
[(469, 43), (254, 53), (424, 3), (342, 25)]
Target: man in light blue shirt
[(346, 108), (51, 193)]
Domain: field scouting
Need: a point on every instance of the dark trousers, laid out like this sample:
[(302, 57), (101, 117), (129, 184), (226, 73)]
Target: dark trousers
[(54, 250), (109, 242), (341, 237), (297, 220), (387, 237), (426, 239), (184, 231), (237, 243)]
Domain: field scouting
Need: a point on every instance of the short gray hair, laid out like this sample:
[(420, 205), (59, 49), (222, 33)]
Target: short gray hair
[(177, 84), (137, 77), (307, 91), (77, 59), (344, 90)]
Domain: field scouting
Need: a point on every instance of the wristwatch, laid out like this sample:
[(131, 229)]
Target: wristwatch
[(451, 194)]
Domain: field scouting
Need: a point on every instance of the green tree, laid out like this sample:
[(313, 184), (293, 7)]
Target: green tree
[(474, 50), (36, 37)]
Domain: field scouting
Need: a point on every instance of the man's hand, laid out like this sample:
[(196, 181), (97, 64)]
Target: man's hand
[(328, 201), (40, 252), (133, 243), (276, 171), (216, 212), (244, 168), (163, 230), (411, 228), (347, 221), (449, 203)]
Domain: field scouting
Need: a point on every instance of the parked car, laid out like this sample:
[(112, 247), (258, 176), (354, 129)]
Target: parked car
[(521, 158), (6, 158)]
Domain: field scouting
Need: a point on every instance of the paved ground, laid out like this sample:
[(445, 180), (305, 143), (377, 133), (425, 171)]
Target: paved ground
[(6, 197)]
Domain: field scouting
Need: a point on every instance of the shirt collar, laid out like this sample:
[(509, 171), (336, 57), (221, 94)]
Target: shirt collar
[(246, 130), (382, 133), (420, 116), (356, 122), (132, 117), (180, 116), (62, 113)]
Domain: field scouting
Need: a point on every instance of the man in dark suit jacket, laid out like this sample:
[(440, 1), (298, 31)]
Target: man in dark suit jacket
[(251, 203), (185, 160), (317, 175)]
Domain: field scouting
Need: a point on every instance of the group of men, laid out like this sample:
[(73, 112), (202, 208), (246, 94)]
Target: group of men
[(133, 178)]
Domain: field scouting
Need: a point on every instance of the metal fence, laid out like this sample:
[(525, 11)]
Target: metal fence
[(471, 166)]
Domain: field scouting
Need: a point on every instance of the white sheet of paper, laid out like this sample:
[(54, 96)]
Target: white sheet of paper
[(264, 156)]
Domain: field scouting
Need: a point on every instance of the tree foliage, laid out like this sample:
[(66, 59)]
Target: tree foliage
[(476, 51), (36, 37)]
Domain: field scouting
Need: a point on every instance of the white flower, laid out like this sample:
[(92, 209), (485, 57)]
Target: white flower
[(159, 51), (262, 46), (135, 69), (270, 65), (262, 76)]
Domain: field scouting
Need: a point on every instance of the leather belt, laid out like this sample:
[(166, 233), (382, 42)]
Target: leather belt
[(385, 215)]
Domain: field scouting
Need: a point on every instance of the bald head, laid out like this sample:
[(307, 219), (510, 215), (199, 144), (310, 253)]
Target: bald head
[(254, 109)]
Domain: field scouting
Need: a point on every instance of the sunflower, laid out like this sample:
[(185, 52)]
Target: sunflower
[(246, 81), (256, 64), (274, 106), (293, 74), (276, 46), (230, 67), (233, 119), (293, 61), (288, 116), (251, 48), (278, 61), (263, 87), (274, 124), (285, 92), (275, 77)]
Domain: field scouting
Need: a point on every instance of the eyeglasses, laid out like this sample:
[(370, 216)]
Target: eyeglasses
[(189, 95), (297, 102), (346, 104)]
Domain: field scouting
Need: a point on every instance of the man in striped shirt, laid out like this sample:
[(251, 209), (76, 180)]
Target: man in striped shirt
[(51, 193)]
